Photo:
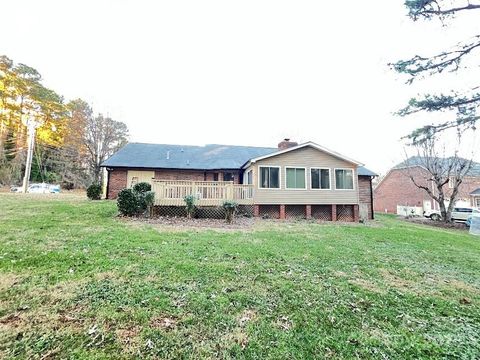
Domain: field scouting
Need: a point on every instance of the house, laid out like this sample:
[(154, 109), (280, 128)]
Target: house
[(291, 180), (396, 191)]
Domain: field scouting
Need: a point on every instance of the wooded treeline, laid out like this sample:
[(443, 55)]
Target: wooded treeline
[(71, 141)]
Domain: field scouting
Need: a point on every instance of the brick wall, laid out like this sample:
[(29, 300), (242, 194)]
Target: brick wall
[(398, 189), (365, 193), (192, 175), (117, 181)]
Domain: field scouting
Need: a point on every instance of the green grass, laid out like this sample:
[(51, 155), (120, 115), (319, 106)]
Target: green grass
[(76, 282)]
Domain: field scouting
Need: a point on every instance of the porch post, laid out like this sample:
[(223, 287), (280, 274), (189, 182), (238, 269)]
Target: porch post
[(334, 212), (282, 212), (308, 211), (355, 213)]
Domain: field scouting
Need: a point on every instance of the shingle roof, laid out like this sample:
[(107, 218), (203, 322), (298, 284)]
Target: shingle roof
[(475, 192), (418, 161), (208, 157), (363, 171)]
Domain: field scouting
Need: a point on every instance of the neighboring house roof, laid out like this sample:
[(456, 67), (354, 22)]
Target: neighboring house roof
[(418, 161), (307, 144), (208, 157), (475, 192), (363, 171)]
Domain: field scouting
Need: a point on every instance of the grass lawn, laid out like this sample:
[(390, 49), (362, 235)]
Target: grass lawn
[(76, 282)]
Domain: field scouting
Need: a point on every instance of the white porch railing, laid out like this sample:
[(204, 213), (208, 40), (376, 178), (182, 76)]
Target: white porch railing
[(207, 193)]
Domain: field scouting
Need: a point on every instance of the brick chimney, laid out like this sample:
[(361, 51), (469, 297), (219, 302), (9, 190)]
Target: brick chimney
[(286, 143)]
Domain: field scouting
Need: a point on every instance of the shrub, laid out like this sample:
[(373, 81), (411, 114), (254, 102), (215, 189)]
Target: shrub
[(94, 192), (127, 202), (189, 205), (230, 209), (142, 187)]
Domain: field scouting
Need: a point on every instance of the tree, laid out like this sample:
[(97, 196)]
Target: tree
[(445, 173), (464, 103), (103, 137)]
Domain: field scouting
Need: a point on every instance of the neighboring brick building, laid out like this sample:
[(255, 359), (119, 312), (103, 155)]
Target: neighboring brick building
[(291, 180), (398, 189)]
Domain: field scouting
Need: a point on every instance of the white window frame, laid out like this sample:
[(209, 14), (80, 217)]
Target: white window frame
[(353, 178), (329, 178), (245, 177), (296, 167), (260, 177)]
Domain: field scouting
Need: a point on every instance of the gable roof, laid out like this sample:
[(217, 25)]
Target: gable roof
[(307, 144), (418, 161), (208, 157), (475, 192)]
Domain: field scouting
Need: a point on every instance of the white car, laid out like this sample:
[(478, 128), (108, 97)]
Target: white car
[(43, 189), (458, 213)]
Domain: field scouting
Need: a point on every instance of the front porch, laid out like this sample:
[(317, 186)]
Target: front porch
[(207, 193)]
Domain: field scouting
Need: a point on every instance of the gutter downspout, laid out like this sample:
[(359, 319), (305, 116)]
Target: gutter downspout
[(371, 197)]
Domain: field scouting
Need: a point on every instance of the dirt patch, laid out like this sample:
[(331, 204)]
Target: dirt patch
[(246, 316), (367, 285), (176, 224), (7, 280), (164, 323), (437, 224), (129, 338), (399, 283)]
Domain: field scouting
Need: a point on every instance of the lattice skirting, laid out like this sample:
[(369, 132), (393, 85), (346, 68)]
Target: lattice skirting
[(345, 213), (295, 211), (322, 212), (269, 211), (203, 212)]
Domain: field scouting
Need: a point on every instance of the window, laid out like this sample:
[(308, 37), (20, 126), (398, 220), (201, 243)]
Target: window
[(250, 177), (269, 177), (215, 177), (228, 176), (295, 178), (344, 179), (320, 179), (451, 182)]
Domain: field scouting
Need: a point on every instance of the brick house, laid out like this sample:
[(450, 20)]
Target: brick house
[(397, 189), (291, 180)]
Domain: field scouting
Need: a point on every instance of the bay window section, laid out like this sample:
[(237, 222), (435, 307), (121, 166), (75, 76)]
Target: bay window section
[(344, 179), (269, 177), (320, 179), (295, 178)]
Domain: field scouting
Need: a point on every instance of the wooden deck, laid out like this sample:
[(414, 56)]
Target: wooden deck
[(207, 193)]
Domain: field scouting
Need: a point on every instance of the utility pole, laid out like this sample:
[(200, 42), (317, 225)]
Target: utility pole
[(32, 127)]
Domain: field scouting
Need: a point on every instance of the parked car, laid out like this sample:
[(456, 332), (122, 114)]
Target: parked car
[(43, 189), (458, 213)]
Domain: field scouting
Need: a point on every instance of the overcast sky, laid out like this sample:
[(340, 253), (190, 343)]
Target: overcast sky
[(237, 72)]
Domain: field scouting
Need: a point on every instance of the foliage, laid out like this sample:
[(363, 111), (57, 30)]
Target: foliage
[(127, 202), (94, 191), (463, 103), (189, 205), (395, 290), (445, 174), (142, 187), (70, 141), (230, 210)]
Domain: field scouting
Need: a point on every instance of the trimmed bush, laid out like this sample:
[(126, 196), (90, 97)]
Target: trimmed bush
[(94, 192), (230, 210), (189, 205), (142, 187), (127, 202)]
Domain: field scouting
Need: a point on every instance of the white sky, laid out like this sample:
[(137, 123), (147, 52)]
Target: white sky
[(237, 72)]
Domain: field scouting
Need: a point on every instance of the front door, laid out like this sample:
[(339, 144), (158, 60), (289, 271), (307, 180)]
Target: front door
[(427, 205)]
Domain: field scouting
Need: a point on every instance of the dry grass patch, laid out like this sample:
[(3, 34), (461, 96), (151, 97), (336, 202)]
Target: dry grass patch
[(7, 280), (164, 323), (367, 285)]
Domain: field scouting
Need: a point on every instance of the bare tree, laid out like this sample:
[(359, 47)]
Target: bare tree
[(445, 173), (103, 137)]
